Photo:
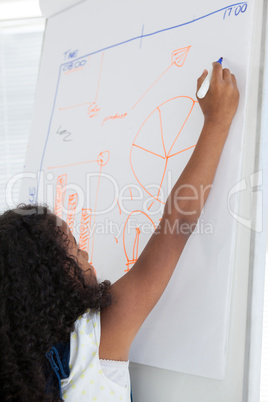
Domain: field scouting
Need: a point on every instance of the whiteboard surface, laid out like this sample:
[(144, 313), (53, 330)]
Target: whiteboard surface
[(117, 85)]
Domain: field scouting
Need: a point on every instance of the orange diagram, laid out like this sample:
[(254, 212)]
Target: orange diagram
[(178, 58), (165, 144), (86, 218), (131, 248), (164, 147)]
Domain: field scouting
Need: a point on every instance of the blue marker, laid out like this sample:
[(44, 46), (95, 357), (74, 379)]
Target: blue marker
[(206, 83)]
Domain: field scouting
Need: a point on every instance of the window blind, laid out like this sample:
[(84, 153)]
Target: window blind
[(20, 51)]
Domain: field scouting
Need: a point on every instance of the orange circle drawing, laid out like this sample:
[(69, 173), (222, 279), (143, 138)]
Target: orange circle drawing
[(133, 252), (103, 158), (166, 141)]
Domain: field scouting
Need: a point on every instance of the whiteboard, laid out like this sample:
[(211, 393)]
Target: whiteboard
[(116, 121)]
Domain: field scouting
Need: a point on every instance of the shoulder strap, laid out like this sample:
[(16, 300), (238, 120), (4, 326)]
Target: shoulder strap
[(58, 357)]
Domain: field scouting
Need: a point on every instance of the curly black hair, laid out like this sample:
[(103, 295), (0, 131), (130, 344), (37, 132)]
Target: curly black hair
[(42, 293)]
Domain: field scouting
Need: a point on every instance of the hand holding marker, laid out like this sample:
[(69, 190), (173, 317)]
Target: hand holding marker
[(206, 83)]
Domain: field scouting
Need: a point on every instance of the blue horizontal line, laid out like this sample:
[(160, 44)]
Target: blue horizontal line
[(153, 33)]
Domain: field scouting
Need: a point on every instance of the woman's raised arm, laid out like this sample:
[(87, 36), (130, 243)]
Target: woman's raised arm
[(137, 292)]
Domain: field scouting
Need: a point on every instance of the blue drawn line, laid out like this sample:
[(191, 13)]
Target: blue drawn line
[(142, 34), (120, 44), (154, 33)]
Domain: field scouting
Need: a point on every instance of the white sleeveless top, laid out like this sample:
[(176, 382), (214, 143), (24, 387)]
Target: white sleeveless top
[(87, 381)]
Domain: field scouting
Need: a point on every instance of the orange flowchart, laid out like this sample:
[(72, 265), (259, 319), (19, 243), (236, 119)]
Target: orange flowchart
[(166, 145)]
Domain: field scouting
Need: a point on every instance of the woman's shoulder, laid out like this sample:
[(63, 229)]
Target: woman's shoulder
[(89, 316), (87, 324)]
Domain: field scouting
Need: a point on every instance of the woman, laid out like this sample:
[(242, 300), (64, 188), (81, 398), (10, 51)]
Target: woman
[(52, 307)]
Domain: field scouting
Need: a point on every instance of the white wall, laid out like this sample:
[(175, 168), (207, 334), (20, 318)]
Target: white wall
[(14, 9)]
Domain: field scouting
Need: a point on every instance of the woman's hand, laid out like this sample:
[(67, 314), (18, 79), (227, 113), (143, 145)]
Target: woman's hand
[(220, 103)]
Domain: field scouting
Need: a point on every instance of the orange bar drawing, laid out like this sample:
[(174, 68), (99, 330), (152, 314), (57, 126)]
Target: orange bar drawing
[(60, 195), (72, 204), (85, 229)]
